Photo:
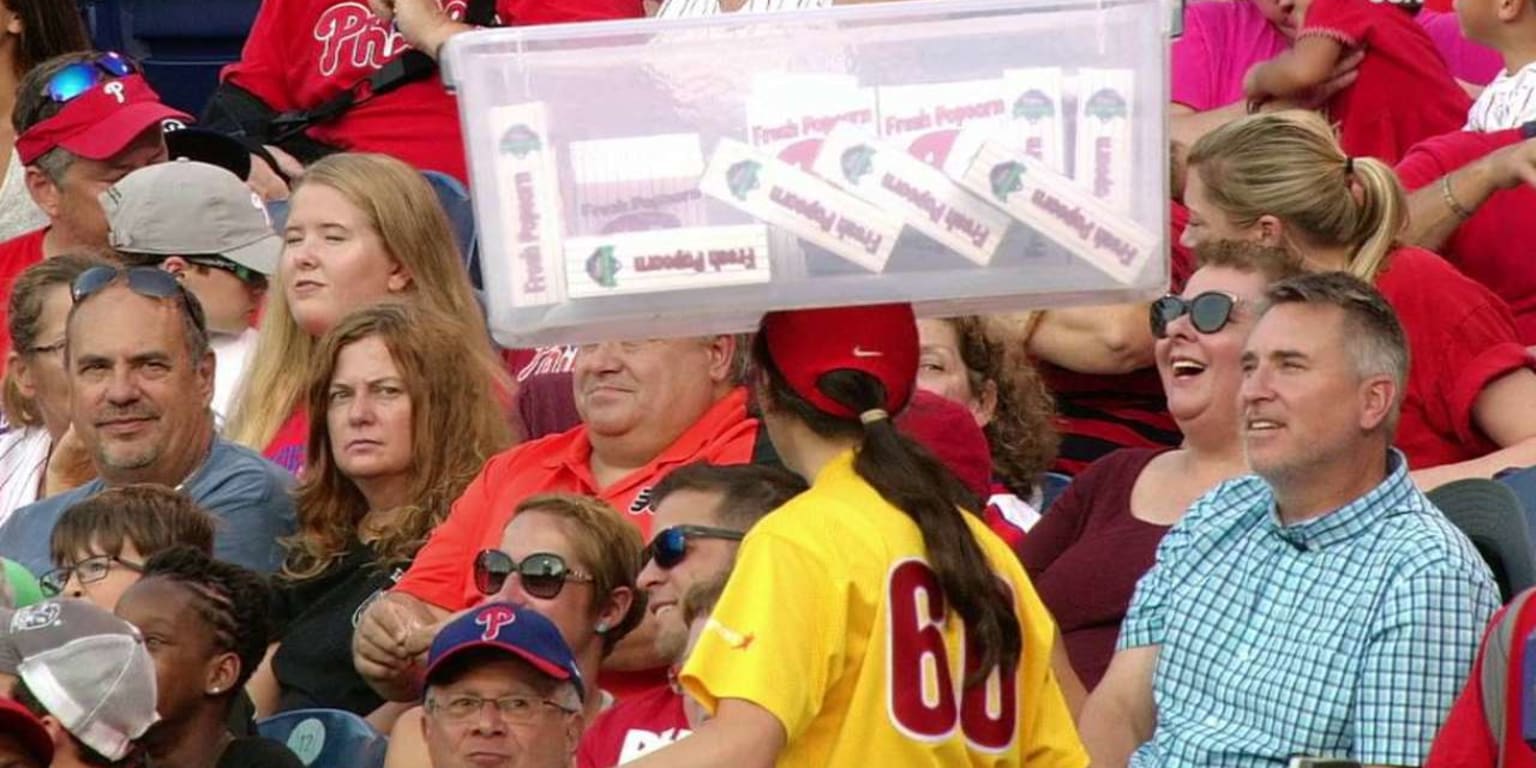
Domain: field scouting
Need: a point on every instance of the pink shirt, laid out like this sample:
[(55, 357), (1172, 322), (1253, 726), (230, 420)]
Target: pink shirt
[(1468, 61), (1222, 39)]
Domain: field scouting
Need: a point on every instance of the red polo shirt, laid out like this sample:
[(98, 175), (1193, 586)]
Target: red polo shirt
[(443, 572)]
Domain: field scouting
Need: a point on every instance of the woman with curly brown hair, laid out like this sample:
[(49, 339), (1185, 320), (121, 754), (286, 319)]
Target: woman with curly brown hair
[(405, 415), (969, 360)]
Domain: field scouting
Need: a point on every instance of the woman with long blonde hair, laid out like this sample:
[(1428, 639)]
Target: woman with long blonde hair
[(405, 413), (362, 229), (1281, 179)]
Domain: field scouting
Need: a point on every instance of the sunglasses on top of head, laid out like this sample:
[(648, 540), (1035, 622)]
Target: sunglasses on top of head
[(1208, 312), (670, 545), (148, 282), (542, 574), (77, 78)]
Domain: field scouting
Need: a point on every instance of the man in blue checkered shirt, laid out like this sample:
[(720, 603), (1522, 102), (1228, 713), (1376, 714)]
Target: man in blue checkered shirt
[(1323, 608)]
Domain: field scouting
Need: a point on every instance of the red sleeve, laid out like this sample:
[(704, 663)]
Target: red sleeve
[(1479, 346), (1464, 739), (524, 12), (1347, 21), (263, 65), (440, 572), (1181, 262), (1434, 157)]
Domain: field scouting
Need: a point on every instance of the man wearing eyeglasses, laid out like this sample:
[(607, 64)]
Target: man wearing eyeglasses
[(141, 378), (702, 513), (503, 690), (83, 121), (203, 225)]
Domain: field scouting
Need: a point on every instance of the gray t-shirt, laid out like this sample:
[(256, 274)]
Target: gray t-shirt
[(247, 495)]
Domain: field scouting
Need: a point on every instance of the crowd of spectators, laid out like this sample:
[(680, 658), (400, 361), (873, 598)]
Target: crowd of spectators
[(260, 455)]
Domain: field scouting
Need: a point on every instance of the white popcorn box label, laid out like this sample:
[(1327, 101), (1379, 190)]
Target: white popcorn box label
[(665, 260), (1058, 208), (638, 184), (922, 195), (927, 119), (1037, 126), (786, 197), (1103, 162), (527, 181), (788, 115)]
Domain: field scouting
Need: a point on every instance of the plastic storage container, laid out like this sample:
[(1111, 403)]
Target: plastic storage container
[(654, 177)]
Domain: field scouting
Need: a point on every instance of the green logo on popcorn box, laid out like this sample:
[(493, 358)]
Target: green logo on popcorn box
[(1106, 105), (741, 178), (857, 162), (520, 141), (602, 267), (1033, 106), (1007, 178)]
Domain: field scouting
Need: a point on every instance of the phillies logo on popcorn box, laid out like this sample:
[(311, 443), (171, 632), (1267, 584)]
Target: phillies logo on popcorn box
[(668, 259), (781, 194), (1056, 207), (920, 194)]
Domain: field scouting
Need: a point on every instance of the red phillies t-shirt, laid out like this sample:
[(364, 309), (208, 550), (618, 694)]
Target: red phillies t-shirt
[(633, 728), (302, 52), (545, 402), (1404, 93), (1497, 246), (1461, 337), (16, 254), (1465, 740)]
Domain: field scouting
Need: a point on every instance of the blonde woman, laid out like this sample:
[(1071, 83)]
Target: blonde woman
[(405, 414), (361, 229), (1281, 179)]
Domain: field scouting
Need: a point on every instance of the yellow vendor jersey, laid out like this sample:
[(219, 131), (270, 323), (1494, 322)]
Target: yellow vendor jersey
[(834, 622)]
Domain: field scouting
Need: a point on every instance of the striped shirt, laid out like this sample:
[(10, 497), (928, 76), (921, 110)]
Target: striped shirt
[(1345, 636)]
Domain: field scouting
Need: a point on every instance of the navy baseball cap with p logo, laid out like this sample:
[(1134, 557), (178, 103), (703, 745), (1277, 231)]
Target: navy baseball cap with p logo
[(520, 632)]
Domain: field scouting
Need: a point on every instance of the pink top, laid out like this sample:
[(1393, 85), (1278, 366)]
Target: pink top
[(1467, 60), (1222, 39)]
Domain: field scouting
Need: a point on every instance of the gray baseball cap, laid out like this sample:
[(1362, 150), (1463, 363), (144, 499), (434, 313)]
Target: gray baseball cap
[(87, 667), (187, 208)]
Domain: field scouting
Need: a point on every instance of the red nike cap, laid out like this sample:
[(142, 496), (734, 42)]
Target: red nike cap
[(880, 340)]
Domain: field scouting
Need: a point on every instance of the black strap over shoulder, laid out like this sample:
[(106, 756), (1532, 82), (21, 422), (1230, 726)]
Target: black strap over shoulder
[(408, 67)]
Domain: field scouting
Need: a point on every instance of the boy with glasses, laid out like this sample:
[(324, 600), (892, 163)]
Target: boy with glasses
[(203, 225)]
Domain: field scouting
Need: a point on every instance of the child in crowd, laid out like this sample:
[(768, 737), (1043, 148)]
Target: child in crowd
[(205, 624), (1509, 27), (99, 546), (1404, 93)]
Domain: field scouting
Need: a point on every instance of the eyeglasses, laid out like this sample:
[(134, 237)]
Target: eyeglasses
[(245, 274), (89, 571), (670, 545), (1208, 313), (542, 574), (519, 710), (144, 281), (77, 78)]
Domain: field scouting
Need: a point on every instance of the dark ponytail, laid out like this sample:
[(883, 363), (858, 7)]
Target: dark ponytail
[(912, 480)]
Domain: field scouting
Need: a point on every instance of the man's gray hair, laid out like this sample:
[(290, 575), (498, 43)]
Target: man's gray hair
[(1372, 332)]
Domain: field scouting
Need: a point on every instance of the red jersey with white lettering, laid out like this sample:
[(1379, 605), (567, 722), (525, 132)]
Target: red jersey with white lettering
[(545, 400), (302, 52), (633, 728)]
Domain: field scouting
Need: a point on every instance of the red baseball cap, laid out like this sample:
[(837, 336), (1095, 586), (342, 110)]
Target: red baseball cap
[(949, 431), (17, 721), (880, 340), (100, 122)]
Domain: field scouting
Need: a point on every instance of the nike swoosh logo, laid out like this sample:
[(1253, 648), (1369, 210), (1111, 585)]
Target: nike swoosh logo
[(861, 352)]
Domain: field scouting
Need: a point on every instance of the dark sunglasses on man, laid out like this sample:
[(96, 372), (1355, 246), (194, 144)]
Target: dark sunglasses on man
[(1208, 312), (148, 282), (542, 574), (670, 545), (79, 77), (246, 275)]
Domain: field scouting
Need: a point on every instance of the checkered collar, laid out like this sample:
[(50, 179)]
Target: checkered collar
[(1393, 496)]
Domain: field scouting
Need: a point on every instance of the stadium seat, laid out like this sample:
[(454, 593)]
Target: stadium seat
[(1054, 484), (1523, 483), (181, 44), (1489, 513), (327, 738)]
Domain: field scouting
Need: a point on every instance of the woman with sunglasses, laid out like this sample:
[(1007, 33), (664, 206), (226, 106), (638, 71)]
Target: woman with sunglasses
[(1101, 535), (873, 615), (361, 229), (574, 560), (31, 32), (405, 419), (1281, 179)]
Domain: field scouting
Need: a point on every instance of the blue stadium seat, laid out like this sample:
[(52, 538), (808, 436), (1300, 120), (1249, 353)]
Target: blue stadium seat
[(1491, 516), (182, 44), (1055, 483), (327, 738)]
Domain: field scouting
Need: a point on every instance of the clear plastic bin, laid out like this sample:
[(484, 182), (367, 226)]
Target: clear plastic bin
[(672, 177)]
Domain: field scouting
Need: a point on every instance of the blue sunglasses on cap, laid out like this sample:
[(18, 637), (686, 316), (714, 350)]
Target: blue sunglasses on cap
[(77, 78)]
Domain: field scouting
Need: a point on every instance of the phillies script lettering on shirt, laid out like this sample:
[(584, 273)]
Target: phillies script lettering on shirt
[(787, 197), (668, 259), (351, 36), (1056, 207), (526, 186), (922, 195), (639, 742)]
